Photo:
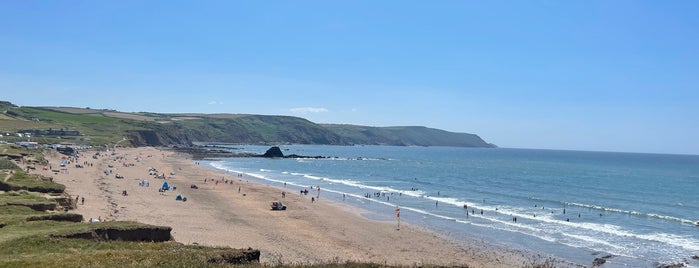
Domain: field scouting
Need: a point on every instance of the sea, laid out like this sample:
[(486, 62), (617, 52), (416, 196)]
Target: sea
[(630, 209)]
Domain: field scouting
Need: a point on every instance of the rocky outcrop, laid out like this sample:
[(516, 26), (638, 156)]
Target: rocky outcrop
[(66, 202), (161, 137), (597, 262), (273, 152), (237, 257), (674, 265)]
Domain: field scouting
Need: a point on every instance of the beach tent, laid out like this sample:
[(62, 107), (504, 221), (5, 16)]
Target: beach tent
[(165, 186), (179, 198)]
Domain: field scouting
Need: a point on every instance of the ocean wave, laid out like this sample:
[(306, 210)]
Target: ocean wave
[(498, 216), (344, 159), (631, 212), (593, 240), (607, 229), (383, 189)]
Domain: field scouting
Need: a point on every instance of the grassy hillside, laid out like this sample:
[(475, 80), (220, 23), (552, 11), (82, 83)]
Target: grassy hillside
[(99, 127), (36, 231), (406, 136), (257, 129)]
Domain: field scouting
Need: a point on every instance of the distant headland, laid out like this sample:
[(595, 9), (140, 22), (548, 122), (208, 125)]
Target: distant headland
[(87, 126)]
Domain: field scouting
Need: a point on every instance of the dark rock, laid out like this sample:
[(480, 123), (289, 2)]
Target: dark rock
[(674, 265), (696, 257), (237, 257), (598, 261), (273, 152), (304, 156)]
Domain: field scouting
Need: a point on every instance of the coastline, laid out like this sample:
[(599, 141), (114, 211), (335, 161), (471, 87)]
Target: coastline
[(216, 214)]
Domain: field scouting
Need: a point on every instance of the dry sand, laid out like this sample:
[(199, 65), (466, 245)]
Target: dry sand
[(219, 215)]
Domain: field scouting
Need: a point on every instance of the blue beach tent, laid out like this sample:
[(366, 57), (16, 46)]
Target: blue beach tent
[(165, 186)]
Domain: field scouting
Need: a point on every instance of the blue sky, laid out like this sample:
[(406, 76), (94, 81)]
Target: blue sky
[(581, 75)]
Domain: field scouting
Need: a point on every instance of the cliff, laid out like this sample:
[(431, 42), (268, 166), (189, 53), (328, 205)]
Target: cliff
[(100, 126)]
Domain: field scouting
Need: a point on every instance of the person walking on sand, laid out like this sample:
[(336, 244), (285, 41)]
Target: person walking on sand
[(82, 201)]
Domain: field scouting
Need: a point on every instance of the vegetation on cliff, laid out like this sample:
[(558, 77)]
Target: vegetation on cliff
[(100, 126), (36, 231)]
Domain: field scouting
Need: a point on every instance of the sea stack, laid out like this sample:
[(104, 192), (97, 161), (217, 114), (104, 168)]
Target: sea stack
[(273, 152)]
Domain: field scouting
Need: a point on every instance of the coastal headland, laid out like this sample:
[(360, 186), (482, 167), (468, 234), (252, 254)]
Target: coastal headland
[(223, 209)]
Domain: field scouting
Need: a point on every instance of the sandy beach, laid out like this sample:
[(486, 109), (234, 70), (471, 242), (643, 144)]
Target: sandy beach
[(226, 210)]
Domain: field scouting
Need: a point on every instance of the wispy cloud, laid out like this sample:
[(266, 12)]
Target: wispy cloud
[(215, 102), (308, 110)]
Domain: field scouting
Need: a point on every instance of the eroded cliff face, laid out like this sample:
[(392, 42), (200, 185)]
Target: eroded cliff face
[(158, 138)]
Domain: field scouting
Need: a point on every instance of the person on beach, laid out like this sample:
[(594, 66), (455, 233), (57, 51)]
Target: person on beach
[(82, 201), (313, 199)]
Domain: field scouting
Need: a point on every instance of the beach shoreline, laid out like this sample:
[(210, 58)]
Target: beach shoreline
[(229, 210)]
